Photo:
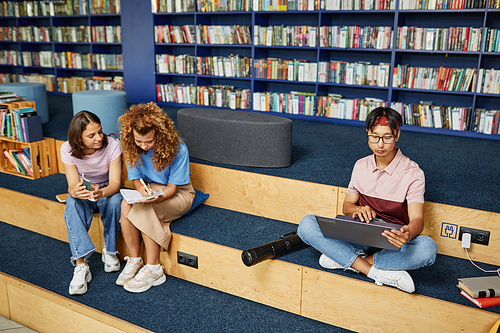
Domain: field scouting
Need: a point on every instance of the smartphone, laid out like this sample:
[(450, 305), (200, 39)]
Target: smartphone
[(86, 182)]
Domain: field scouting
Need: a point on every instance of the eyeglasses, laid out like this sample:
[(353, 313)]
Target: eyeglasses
[(388, 139)]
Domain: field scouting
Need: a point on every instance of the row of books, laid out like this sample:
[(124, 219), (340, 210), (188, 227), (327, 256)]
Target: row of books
[(491, 40), (37, 58), (442, 78), (446, 4), (28, 34), (175, 34), (178, 64), (486, 121), (483, 291), (358, 73), (214, 95), (47, 79), (425, 114), (88, 60), (22, 124), (284, 69), (72, 34), (358, 5), (224, 5), (355, 37), (488, 81), (285, 35), (336, 106), (295, 102), (224, 96), (233, 65), (283, 5), (439, 39), (106, 33), (72, 84), (58, 7), (107, 61), (20, 159), (223, 34), (172, 6), (10, 57)]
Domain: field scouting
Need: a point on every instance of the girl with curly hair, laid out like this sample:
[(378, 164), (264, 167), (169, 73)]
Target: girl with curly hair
[(90, 153), (154, 153)]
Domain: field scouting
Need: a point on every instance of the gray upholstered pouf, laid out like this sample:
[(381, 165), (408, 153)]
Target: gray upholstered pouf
[(236, 137), (31, 91), (108, 105)]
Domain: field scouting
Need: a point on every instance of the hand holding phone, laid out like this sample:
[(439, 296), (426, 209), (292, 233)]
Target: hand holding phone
[(86, 182)]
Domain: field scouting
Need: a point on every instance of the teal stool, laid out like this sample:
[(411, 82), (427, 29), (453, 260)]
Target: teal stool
[(31, 91), (108, 105)]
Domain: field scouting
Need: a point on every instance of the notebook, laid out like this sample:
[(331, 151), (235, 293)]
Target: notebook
[(353, 230)]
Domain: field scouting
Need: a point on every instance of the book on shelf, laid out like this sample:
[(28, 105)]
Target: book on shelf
[(480, 287), (482, 302), (20, 160)]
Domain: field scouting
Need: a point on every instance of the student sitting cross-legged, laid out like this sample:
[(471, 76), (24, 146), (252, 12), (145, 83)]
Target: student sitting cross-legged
[(390, 186)]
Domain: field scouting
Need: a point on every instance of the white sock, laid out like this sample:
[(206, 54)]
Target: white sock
[(372, 274), (134, 259), (154, 268)]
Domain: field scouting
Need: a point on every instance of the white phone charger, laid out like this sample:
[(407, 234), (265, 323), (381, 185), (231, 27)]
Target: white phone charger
[(466, 240)]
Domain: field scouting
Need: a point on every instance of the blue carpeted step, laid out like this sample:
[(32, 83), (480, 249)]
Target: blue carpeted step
[(176, 305)]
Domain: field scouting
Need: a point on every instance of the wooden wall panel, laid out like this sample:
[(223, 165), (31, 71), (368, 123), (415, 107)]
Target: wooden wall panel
[(365, 307), (272, 282), (47, 219), (46, 311), (442, 223), (262, 195), (4, 300)]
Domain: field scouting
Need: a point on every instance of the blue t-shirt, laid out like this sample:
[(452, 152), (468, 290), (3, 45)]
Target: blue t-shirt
[(177, 173)]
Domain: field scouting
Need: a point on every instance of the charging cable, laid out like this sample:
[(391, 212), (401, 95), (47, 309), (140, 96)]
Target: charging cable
[(466, 238)]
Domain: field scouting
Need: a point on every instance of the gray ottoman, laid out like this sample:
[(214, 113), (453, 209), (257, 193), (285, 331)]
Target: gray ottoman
[(236, 137)]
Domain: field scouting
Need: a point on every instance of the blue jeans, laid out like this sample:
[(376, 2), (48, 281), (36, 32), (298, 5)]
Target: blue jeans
[(78, 217), (419, 252)]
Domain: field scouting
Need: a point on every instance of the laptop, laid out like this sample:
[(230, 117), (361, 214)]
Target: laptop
[(353, 230)]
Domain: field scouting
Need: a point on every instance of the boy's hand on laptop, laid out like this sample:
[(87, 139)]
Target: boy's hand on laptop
[(398, 237), (364, 213)]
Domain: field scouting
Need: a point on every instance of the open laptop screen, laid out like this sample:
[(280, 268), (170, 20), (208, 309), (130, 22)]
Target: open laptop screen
[(353, 230)]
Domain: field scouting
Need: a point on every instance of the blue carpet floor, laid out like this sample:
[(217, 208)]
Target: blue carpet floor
[(175, 306)]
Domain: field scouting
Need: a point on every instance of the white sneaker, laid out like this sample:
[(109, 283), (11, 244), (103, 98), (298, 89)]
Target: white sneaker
[(399, 279), (111, 262), (81, 276), (145, 279), (130, 270), (328, 263)]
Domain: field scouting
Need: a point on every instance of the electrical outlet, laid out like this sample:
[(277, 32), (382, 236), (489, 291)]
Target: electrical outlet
[(187, 259), (477, 236)]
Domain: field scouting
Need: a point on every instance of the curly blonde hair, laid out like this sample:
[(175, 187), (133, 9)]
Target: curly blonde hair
[(143, 118)]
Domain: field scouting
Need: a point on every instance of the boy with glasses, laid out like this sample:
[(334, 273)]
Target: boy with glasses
[(390, 186)]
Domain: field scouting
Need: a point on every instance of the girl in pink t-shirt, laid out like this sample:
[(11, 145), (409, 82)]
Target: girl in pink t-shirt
[(91, 153)]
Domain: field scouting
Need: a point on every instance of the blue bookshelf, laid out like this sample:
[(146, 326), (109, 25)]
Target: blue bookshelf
[(141, 76)]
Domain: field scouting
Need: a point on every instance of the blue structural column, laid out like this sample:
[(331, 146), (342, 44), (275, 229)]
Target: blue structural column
[(138, 51)]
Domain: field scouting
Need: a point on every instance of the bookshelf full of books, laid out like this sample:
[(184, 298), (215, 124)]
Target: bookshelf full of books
[(436, 61), (25, 152), (68, 45)]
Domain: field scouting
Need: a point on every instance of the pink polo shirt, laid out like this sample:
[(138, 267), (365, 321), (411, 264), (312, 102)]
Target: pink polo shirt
[(388, 191)]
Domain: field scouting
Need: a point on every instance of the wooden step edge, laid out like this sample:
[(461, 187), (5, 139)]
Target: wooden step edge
[(46, 311)]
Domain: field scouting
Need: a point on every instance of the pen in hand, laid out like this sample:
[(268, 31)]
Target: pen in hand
[(144, 184)]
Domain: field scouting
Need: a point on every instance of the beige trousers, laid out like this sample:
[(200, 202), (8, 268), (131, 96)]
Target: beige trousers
[(154, 219)]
